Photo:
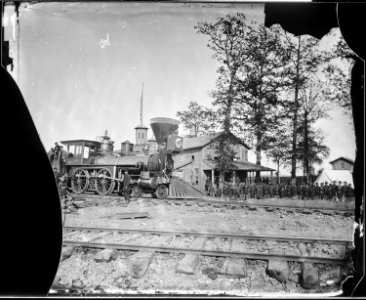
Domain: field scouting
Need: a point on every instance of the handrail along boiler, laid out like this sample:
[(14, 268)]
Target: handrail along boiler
[(93, 166)]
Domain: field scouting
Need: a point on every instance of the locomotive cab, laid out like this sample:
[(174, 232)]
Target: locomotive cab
[(81, 151)]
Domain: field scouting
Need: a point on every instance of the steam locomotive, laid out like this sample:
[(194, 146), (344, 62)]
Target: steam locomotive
[(93, 166)]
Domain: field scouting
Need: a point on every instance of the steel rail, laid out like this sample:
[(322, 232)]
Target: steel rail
[(227, 203), (256, 256), (214, 235)]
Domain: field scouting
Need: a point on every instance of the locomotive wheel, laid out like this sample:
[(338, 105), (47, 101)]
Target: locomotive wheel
[(104, 185), (161, 192), (79, 181), (136, 191)]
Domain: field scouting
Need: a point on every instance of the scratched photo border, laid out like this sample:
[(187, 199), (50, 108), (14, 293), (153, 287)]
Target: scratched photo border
[(193, 3)]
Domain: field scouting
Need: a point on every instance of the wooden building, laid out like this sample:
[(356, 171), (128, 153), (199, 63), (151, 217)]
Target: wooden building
[(198, 162), (342, 163)]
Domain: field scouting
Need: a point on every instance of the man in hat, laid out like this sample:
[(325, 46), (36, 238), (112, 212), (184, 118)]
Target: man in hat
[(335, 189), (126, 189), (321, 194), (349, 193), (57, 150), (326, 191), (343, 190)]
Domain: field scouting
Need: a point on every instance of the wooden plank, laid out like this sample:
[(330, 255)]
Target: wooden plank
[(234, 267), (188, 264), (133, 237), (70, 234), (138, 264), (237, 245), (159, 242), (100, 235), (198, 243), (132, 215)]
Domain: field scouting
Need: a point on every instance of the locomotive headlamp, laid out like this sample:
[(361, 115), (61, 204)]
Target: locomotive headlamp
[(179, 142)]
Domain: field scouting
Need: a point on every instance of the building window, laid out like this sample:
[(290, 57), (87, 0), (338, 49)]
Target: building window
[(72, 149), (342, 165), (86, 152)]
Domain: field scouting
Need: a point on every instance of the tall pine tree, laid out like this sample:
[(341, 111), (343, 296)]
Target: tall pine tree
[(227, 41), (259, 81), (311, 148), (305, 60)]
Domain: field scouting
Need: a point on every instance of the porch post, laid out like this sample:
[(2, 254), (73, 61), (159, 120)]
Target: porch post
[(213, 176)]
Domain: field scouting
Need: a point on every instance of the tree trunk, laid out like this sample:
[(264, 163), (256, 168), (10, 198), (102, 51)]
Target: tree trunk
[(306, 147), (258, 152), (221, 182), (294, 121)]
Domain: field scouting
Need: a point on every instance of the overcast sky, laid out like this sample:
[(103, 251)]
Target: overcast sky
[(82, 65)]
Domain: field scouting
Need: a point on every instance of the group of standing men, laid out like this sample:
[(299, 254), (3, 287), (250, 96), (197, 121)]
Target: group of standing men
[(331, 192)]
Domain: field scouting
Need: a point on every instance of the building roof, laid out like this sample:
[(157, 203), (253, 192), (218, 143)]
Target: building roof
[(240, 165), (342, 158), (335, 175), (204, 140), (141, 126), (80, 142)]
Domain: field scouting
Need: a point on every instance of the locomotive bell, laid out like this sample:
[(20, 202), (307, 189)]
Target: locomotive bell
[(162, 128), (106, 143)]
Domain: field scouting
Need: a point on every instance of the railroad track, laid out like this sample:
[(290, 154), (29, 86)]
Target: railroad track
[(231, 205), (212, 244)]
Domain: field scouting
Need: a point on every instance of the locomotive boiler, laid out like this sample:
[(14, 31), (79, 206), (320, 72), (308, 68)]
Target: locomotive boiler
[(93, 166)]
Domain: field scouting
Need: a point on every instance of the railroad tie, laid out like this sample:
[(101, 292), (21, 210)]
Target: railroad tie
[(70, 234), (159, 241), (132, 215), (188, 264), (138, 264), (66, 252), (234, 267), (237, 245), (198, 243), (100, 236), (127, 239)]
